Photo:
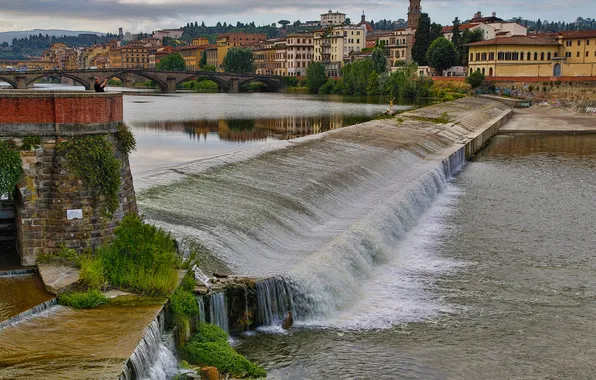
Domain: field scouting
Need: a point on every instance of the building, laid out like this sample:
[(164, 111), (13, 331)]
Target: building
[(96, 56), (398, 45), (130, 56), (271, 57), (333, 46), (171, 33), (532, 56), (300, 52), (240, 39), (211, 53), (155, 56), (492, 27), (66, 58), (200, 41), (14, 64), (414, 14), (330, 18), (192, 54)]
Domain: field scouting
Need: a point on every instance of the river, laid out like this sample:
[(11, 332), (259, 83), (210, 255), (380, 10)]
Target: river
[(507, 252)]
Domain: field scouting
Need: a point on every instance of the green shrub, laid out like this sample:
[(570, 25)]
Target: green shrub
[(142, 258), (64, 256), (31, 142), (476, 79), (183, 305), (327, 88), (223, 357), (92, 274), (11, 168), (209, 333), (83, 300), (126, 139), (92, 159)]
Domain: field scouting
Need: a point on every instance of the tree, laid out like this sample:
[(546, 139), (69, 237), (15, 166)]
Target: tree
[(172, 62), (239, 61), (209, 68), (441, 55), (348, 21), (203, 61), (284, 23), (372, 87), (379, 58), (422, 40), (315, 77), (476, 79), (457, 40), (469, 37)]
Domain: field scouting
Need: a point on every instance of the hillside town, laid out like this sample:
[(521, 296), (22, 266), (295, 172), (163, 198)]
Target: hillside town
[(503, 49)]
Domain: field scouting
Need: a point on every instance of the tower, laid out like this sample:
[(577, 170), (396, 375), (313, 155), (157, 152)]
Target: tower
[(414, 13), (363, 17)]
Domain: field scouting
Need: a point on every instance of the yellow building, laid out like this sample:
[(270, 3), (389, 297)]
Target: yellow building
[(333, 46), (212, 59), (561, 54), (199, 41), (271, 57), (192, 56), (27, 64), (131, 56)]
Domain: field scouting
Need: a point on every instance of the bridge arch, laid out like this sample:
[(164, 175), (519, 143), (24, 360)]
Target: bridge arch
[(222, 83), (273, 84), (9, 81), (58, 74), (163, 86)]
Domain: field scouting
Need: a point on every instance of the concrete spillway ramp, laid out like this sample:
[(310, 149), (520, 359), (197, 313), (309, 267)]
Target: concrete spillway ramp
[(322, 212)]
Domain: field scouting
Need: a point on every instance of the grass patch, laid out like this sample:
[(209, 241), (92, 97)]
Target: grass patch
[(302, 90), (209, 347), (184, 305), (142, 258), (443, 119), (83, 300), (65, 256)]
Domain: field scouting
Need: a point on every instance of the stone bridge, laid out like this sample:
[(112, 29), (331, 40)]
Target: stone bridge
[(165, 80)]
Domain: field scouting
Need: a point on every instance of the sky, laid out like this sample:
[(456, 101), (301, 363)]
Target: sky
[(148, 15)]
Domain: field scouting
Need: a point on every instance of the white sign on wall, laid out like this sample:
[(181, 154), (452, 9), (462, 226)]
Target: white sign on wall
[(74, 214)]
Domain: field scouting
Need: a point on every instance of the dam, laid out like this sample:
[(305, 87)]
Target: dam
[(321, 213)]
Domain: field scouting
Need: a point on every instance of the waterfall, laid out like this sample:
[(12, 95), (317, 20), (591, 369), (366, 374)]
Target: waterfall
[(201, 303), (154, 358), (218, 311), (273, 301), (321, 219), (29, 313)]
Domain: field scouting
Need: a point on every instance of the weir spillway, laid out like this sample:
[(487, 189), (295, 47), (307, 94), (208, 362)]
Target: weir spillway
[(321, 213)]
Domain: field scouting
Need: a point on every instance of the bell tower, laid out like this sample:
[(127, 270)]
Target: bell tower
[(414, 13)]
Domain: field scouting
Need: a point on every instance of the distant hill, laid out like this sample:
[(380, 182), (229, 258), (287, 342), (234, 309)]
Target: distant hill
[(8, 36)]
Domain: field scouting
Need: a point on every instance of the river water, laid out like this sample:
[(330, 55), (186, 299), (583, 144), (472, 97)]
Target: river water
[(516, 231), (177, 128)]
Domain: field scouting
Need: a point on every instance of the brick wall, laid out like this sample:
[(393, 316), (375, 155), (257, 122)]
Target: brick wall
[(48, 188)]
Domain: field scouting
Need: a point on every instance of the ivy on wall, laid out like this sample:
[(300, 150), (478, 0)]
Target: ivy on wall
[(92, 159), (126, 139), (31, 142), (11, 168)]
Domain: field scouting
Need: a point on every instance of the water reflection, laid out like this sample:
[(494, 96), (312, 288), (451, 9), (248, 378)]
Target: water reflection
[(249, 130)]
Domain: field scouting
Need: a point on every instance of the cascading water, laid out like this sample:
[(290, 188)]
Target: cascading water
[(201, 303), (323, 217), (154, 358), (41, 308), (218, 311)]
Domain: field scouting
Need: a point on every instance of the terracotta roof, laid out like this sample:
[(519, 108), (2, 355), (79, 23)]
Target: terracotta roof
[(576, 34), (517, 40), (462, 27)]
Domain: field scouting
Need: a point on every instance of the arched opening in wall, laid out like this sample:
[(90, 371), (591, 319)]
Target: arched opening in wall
[(557, 70), (255, 86), (203, 85), (52, 81), (9, 231), (490, 72)]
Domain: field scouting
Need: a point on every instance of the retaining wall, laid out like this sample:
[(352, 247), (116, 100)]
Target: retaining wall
[(49, 189)]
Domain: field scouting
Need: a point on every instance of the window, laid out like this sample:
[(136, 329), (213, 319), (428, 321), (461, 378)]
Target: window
[(579, 43), (471, 57), (549, 55), (535, 56), (542, 56), (568, 54), (521, 56), (578, 54), (529, 56), (587, 54)]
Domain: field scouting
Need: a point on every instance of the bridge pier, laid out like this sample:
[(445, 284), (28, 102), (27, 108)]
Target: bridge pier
[(171, 85), (234, 88), (21, 82)]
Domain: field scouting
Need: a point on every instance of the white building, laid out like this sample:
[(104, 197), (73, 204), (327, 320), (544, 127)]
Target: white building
[(172, 33), (492, 27), (331, 18), (300, 52)]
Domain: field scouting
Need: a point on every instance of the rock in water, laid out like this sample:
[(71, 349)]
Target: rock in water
[(288, 322)]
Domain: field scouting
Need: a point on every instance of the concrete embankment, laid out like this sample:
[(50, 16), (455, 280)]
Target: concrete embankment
[(548, 119)]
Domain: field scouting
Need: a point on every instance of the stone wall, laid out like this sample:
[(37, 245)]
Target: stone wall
[(564, 90), (48, 188)]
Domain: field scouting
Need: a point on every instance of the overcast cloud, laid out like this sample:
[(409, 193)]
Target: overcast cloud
[(148, 15)]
